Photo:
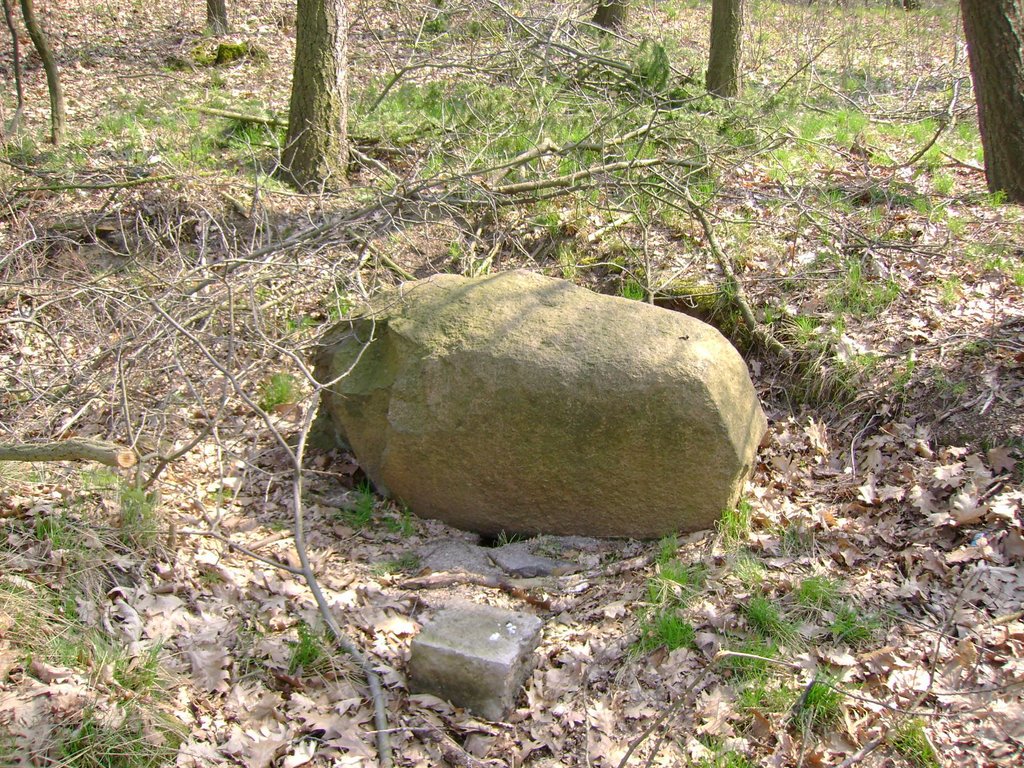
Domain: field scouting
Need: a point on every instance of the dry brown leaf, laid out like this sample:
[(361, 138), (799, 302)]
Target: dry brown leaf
[(715, 708), (1001, 459), (964, 508), (950, 475), (209, 668)]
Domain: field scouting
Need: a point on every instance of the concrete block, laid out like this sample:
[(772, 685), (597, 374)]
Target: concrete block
[(474, 656)]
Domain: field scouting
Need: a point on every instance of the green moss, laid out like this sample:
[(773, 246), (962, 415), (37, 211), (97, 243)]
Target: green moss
[(228, 53), (705, 299)]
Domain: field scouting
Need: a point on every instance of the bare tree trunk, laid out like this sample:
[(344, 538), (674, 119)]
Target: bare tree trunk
[(217, 16), (19, 86), (316, 152), (42, 46), (610, 14), (995, 30), (724, 76)]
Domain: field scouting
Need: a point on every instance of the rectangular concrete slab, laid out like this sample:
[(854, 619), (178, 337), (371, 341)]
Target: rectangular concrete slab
[(475, 656)]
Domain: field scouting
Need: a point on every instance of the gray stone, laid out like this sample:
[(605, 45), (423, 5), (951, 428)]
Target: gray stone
[(453, 556), (518, 559), (474, 656), (525, 404)]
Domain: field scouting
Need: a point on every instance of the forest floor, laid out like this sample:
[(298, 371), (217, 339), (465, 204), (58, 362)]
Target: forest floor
[(160, 288)]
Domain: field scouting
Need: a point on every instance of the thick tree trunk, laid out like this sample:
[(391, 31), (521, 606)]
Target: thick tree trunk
[(316, 152), (42, 47), (995, 34), (724, 77), (19, 86), (610, 14), (217, 16)]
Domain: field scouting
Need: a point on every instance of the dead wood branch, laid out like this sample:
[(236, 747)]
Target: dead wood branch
[(70, 186), (349, 647), (453, 754), (78, 449), (242, 117), (573, 178), (447, 579), (739, 297)]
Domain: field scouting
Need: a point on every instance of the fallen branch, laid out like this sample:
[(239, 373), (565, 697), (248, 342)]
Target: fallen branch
[(78, 449), (448, 579), (273, 122), (572, 178), (372, 678), (69, 186), (682, 701)]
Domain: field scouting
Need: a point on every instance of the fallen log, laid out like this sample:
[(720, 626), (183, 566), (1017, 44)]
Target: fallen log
[(77, 449)]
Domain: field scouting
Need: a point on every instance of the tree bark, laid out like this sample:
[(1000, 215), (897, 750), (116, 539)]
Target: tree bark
[(995, 33), (316, 151), (610, 14), (79, 449), (19, 85), (217, 16), (42, 46), (724, 76)]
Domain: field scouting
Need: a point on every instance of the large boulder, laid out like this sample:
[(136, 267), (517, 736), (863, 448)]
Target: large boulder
[(520, 403)]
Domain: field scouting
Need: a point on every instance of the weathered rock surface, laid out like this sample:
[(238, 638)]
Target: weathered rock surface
[(521, 403), (474, 656), (520, 559), (456, 556)]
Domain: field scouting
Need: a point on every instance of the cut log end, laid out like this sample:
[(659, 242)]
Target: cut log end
[(71, 450)]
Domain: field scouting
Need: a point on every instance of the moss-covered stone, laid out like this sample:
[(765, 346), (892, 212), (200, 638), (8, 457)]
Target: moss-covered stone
[(521, 403), (229, 53)]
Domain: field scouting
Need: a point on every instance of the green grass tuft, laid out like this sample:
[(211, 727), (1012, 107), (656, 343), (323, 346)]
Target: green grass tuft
[(749, 570), (667, 549), (766, 694), (281, 389), (98, 740), (668, 629), (819, 707), (858, 295), (309, 651), (734, 527), (748, 667), (675, 582), (361, 513), (764, 618), (139, 521), (853, 628), (817, 592), (911, 742)]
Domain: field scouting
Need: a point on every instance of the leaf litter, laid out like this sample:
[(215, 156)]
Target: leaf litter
[(917, 526)]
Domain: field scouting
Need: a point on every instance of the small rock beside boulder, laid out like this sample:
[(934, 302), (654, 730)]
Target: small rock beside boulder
[(475, 656), (524, 404)]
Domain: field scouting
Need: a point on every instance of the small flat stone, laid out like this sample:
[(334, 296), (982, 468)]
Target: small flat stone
[(518, 559), (474, 656), (454, 555)]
